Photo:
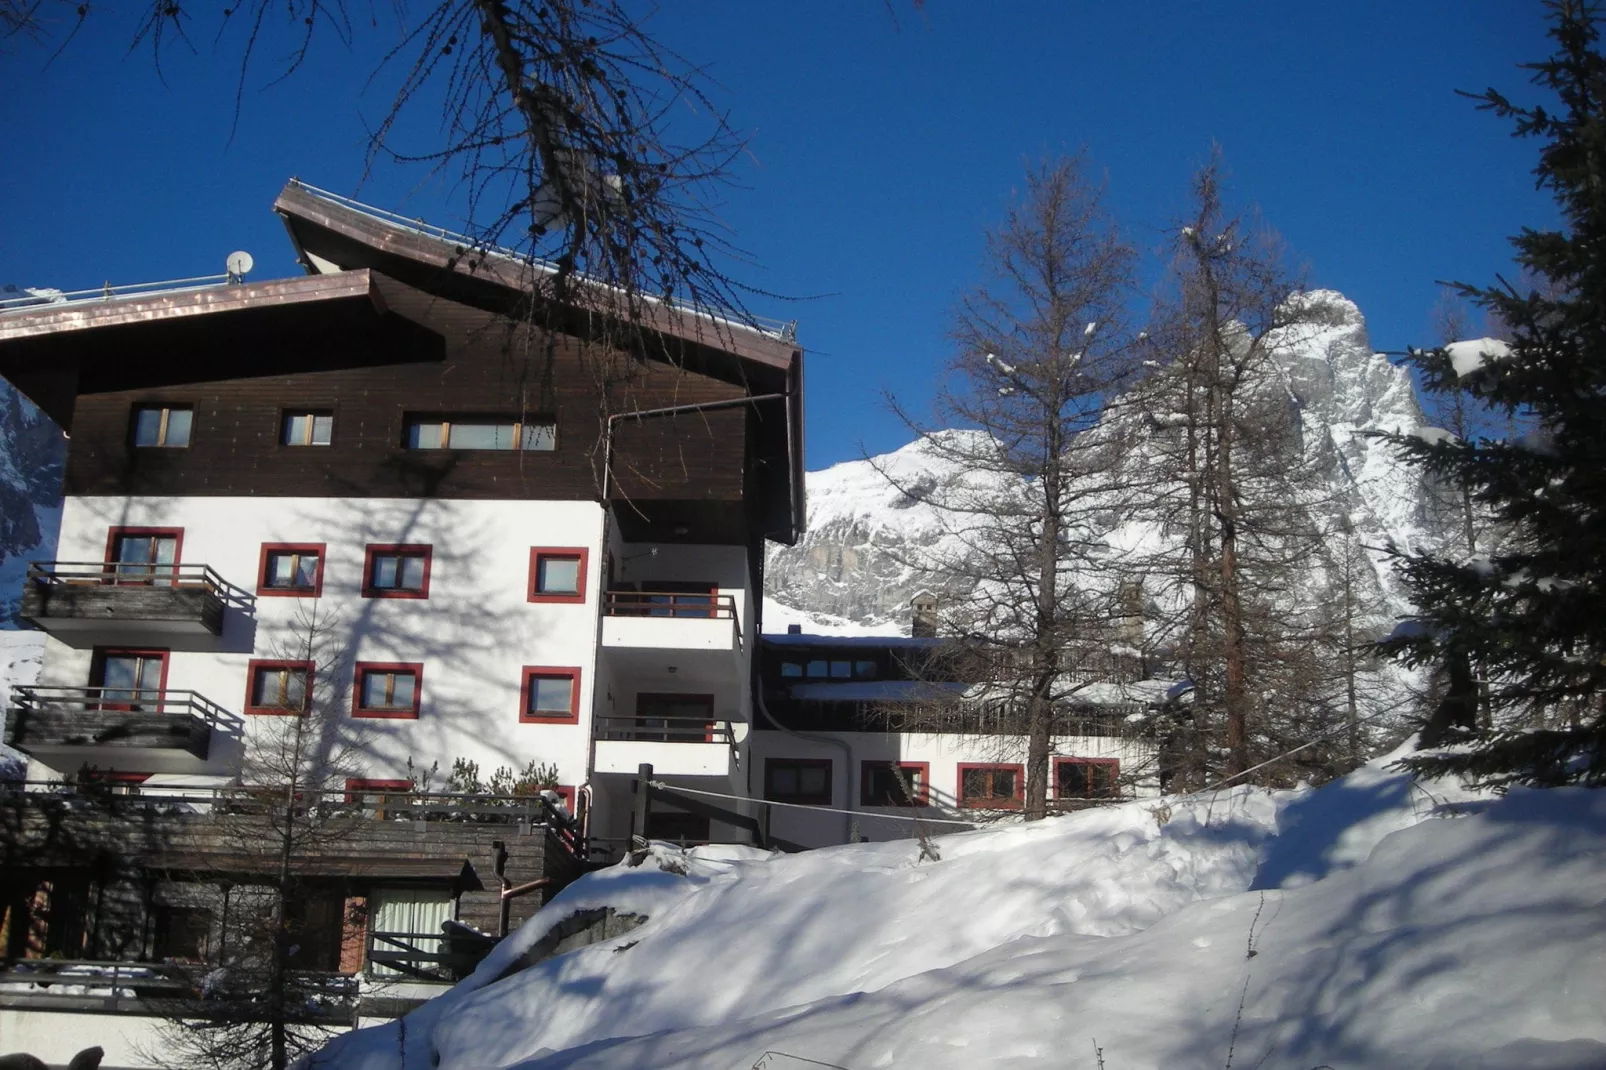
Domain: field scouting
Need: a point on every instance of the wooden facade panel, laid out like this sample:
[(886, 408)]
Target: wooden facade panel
[(492, 368)]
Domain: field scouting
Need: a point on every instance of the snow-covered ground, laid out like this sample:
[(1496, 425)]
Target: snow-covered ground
[(1375, 922), (21, 654)]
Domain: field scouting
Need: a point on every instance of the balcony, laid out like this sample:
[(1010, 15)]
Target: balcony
[(673, 746), (645, 631), (93, 603), (152, 731)]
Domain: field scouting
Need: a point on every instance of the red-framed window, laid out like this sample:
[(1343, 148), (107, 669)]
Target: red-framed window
[(387, 689), (550, 695), (995, 786), (566, 792), (278, 687), (291, 570), (558, 573), (116, 780), (128, 679), (1087, 778), (357, 787), (396, 570), (798, 780), (879, 783), (144, 555)]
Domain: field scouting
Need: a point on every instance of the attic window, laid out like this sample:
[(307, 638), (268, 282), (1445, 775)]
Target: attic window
[(480, 433), (162, 425)]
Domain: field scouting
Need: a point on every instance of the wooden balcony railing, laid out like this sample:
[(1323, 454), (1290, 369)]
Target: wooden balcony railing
[(665, 729), (55, 717), (669, 604), (355, 804), (177, 990)]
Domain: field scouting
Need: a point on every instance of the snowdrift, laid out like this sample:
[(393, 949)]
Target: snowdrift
[(1374, 922)]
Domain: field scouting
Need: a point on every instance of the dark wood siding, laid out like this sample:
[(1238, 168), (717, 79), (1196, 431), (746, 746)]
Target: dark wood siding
[(491, 367)]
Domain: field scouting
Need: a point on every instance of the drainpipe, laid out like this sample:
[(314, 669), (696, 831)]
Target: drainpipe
[(841, 744)]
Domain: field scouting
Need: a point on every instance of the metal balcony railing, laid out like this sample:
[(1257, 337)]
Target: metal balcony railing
[(119, 700), (138, 575), (665, 729), (187, 990)]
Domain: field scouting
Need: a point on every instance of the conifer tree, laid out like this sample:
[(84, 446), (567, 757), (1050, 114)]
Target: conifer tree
[(1528, 613)]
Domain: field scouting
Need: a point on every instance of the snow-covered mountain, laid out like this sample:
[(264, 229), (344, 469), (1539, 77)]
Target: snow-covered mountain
[(33, 452), (858, 564)]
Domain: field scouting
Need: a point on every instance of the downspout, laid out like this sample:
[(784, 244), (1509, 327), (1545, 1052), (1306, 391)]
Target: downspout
[(841, 744), (607, 515)]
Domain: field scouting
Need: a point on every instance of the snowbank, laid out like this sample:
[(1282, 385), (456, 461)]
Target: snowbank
[(1349, 928)]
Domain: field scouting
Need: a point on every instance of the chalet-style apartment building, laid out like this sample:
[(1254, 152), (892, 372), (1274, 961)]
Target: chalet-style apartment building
[(463, 527)]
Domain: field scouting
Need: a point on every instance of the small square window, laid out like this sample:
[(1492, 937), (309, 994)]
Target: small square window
[(307, 429), (893, 784), (162, 425), (278, 686), (396, 572), (387, 690), (550, 695), (558, 574), (791, 670), (996, 787), (1087, 778), (291, 570), (798, 780)]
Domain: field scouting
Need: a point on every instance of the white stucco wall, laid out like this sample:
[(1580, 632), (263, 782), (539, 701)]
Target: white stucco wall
[(944, 753), (473, 634)]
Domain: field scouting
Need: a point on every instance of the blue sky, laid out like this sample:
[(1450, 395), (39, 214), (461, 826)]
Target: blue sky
[(882, 142)]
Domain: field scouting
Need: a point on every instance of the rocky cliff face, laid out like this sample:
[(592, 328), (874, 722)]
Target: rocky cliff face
[(33, 453), (860, 558)]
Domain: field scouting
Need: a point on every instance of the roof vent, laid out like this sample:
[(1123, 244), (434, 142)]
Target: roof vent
[(794, 629)]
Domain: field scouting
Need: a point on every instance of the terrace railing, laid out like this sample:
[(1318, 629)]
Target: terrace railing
[(162, 988), (669, 604), (141, 575), (665, 729)]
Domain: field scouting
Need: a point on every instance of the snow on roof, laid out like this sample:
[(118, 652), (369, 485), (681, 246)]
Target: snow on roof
[(865, 642), (879, 691)]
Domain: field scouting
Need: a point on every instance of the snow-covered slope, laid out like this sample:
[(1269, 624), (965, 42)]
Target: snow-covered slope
[(1370, 923), (859, 559)]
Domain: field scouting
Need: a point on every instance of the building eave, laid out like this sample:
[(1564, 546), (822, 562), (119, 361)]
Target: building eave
[(55, 352)]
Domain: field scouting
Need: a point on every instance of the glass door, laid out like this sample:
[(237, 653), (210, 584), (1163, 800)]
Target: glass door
[(145, 558), (130, 680)]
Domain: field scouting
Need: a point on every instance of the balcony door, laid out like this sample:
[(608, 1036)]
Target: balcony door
[(675, 718), (143, 556), (129, 679)]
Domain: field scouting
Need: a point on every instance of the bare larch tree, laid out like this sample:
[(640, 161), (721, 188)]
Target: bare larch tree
[(1039, 349)]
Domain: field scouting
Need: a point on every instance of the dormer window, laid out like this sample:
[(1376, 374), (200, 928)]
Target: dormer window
[(162, 425), (480, 433)]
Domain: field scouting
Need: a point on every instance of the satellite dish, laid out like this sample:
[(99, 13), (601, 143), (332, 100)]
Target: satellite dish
[(238, 264)]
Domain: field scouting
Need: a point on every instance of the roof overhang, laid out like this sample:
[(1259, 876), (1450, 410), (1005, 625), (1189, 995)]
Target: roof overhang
[(332, 235), (54, 352)]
